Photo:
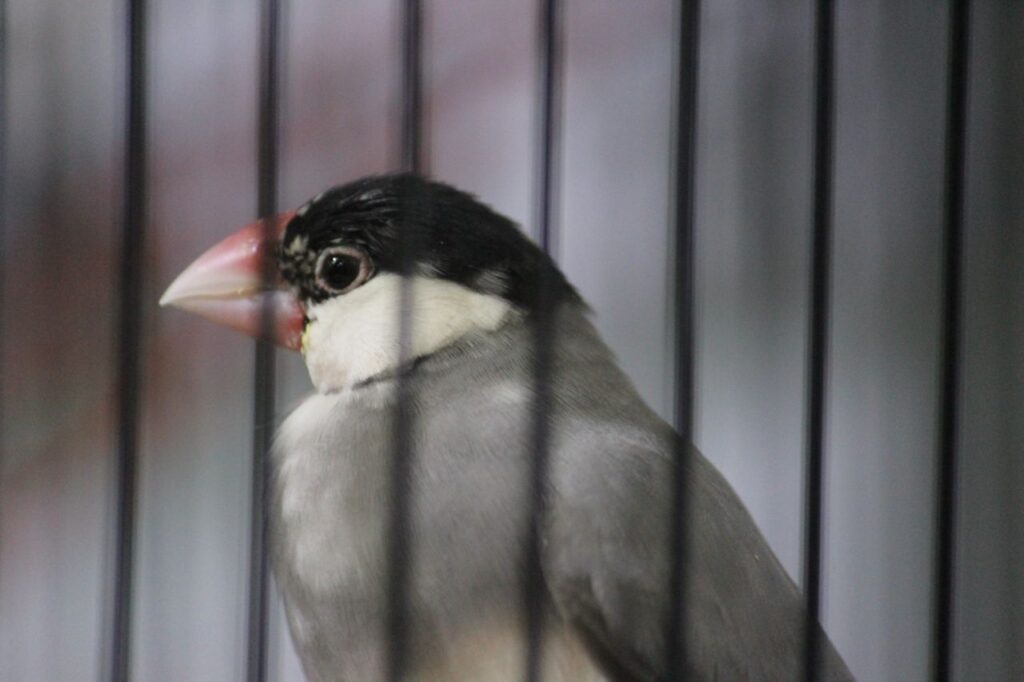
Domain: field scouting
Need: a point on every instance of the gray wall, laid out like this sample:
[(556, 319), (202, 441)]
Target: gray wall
[(340, 120)]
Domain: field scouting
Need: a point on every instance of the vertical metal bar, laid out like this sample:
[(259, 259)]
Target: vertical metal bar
[(685, 126), (550, 44), (263, 384), (399, 557), (129, 334), (549, 110), (4, 54), (412, 86), (949, 416), (821, 245)]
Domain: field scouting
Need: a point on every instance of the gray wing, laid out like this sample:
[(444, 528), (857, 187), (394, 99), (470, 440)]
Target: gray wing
[(606, 565)]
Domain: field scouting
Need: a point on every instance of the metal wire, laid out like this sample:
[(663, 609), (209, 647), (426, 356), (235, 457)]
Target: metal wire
[(399, 555), (129, 334), (263, 379), (821, 245), (549, 110), (3, 233), (549, 101), (684, 133), (412, 86), (952, 295)]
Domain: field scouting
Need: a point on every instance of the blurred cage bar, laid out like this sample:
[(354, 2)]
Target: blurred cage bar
[(263, 380), (821, 245), (550, 33), (401, 484)]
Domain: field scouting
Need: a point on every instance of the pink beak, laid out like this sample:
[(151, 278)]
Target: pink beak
[(225, 285)]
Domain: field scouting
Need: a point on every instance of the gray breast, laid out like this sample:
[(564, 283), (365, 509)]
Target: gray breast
[(330, 512)]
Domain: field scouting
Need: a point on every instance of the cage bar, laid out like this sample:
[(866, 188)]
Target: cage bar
[(412, 86), (3, 230), (821, 245), (263, 370), (129, 336), (682, 225), (549, 45), (399, 555), (950, 371), (548, 109)]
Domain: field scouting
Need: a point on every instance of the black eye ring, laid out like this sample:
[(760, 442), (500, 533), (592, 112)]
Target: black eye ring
[(340, 269)]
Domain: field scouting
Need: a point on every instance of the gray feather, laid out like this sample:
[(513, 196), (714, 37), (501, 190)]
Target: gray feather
[(606, 533)]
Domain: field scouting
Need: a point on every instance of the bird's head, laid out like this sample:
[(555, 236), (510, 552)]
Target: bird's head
[(337, 265)]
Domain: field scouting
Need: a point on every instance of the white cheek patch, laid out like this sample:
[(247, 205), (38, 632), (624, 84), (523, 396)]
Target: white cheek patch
[(353, 337)]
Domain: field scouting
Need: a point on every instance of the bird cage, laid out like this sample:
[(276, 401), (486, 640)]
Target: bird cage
[(797, 225)]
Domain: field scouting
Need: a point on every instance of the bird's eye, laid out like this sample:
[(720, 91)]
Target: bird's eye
[(341, 269)]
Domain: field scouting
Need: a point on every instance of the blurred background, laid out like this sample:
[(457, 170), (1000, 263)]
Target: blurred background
[(340, 120)]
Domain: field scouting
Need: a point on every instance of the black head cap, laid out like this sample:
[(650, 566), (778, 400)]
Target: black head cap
[(444, 232)]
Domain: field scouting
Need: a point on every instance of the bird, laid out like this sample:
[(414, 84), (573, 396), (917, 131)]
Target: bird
[(477, 290)]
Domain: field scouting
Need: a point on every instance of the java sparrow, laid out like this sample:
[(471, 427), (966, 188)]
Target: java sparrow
[(606, 523)]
